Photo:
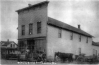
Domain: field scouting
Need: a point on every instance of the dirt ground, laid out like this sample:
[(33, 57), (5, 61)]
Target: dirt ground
[(15, 62)]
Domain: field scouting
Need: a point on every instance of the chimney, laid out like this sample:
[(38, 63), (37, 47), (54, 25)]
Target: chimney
[(8, 40), (29, 5), (78, 26)]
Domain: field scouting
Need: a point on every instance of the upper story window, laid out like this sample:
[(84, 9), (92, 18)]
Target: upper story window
[(23, 29), (38, 27), (59, 33), (87, 40), (71, 36), (30, 28), (80, 38), (11, 45)]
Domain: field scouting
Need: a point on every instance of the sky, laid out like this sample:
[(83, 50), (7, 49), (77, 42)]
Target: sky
[(72, 12)]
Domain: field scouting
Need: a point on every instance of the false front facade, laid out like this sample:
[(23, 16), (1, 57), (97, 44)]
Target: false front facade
[(37, 31)]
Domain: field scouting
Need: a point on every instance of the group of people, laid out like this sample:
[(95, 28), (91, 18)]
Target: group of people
[(38, 55)]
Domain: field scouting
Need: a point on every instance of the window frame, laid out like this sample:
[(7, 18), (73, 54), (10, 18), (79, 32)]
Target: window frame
[(23, 30), (30, 28), (94, 52), (87, 40), (79, 50), (79, 38), (59, 33), (39, 27), (71, 36)]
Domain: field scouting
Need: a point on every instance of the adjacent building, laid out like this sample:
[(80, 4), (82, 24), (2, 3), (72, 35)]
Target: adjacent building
[(7, 48), (37, 31), (95, 46)]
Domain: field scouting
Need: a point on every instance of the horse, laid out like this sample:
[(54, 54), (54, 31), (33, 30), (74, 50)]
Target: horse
[(64, 56)]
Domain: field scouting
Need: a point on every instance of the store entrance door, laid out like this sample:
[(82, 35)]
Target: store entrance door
[(31, 45)]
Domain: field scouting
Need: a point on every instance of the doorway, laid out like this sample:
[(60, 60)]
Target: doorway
[(31, 45)]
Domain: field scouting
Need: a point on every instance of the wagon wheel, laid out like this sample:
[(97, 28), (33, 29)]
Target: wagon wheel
[(57, 59), (80, 59), (44, 57), (31, 57)]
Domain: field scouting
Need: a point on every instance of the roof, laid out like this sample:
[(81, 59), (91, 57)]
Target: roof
[(65, 26), (33, 6), (95, 43), (6, 43)]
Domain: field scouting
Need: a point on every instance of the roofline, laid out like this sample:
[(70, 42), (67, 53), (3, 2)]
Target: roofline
[(31, 38), (35, 5), (68, 30), (87, 34), (95, 44), (93, 36), (7, 47)]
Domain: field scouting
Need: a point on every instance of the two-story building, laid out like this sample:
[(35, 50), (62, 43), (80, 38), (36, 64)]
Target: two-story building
[(37, 31), (95, 46), (8, 48)]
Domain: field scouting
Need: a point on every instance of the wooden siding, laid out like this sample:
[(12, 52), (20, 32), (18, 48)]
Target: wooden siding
[(32, 16), (65, 44)]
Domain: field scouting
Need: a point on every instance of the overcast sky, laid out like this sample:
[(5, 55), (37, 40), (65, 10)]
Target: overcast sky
[(73, 12)]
